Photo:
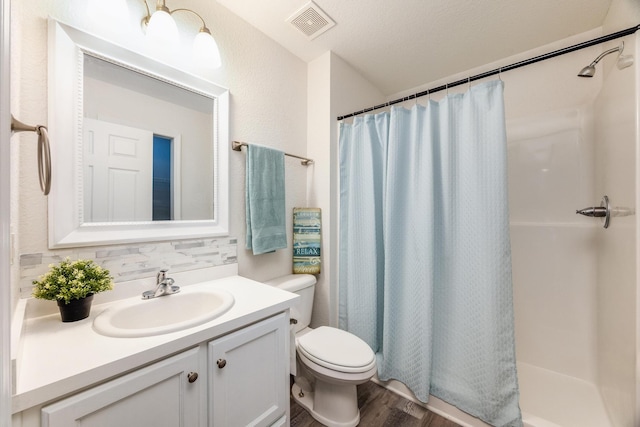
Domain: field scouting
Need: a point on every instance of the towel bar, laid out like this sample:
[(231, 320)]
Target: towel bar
[(237, 146)]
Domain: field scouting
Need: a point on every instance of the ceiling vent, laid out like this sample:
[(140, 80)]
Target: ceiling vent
[(311, 20)]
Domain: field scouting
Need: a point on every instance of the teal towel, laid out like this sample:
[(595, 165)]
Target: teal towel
[(265, 200)]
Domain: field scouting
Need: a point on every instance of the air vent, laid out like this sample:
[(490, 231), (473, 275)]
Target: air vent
[(311, 20)]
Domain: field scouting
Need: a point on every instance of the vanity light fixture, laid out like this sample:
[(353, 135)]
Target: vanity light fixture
[(162, 31)]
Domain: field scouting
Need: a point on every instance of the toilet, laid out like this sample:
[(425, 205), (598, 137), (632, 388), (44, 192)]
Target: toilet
[(329, 362)]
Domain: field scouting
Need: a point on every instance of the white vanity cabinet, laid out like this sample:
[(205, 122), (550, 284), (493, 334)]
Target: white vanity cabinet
[(165, 394), (248, 375), (69, 375), (242, 380)]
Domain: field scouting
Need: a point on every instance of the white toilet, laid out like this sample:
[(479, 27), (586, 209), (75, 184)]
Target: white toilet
[(330, 362)]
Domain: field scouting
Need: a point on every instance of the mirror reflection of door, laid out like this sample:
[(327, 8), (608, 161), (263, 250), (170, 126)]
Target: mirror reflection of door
[(123, 167), (117, 168)]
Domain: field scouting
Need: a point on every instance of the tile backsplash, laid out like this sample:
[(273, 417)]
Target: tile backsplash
[(135, 261)]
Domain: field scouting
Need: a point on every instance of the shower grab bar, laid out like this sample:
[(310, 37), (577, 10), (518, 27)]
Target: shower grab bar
[(237, 146), (44, 151)]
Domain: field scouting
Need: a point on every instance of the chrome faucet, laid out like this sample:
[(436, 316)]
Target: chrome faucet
[(164, 286)]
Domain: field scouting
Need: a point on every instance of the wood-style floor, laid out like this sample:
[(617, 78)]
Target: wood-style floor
[(379, 408)]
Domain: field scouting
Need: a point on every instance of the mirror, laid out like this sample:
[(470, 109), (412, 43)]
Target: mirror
[(147, 147), (135, 146)]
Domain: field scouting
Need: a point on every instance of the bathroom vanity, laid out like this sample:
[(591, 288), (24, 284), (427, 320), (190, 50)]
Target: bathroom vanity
[(230, 371)]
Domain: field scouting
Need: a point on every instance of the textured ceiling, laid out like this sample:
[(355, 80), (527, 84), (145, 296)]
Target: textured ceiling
[(401, 44)]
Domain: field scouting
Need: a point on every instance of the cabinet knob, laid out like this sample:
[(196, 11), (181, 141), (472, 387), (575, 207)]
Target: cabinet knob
[(221, 363), (192, 377)]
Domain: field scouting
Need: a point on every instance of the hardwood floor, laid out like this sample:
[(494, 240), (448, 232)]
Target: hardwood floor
[(379, 408)]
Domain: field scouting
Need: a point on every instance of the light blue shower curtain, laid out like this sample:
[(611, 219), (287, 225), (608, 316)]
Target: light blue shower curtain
[(425, 264)]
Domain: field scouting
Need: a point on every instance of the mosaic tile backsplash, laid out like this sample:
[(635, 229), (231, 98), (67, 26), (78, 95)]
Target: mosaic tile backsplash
[(135, 261)]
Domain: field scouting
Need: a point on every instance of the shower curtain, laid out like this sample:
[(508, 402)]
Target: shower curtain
[(425, 265)]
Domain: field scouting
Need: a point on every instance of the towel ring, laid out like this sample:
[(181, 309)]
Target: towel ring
[(44, 151)]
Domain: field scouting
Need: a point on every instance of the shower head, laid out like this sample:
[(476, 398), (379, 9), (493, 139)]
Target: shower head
[(590, 70)]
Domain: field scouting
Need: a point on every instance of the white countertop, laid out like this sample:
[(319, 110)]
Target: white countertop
[(57, 358)]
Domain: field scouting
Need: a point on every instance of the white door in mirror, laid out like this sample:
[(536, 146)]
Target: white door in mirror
[(118, 171)]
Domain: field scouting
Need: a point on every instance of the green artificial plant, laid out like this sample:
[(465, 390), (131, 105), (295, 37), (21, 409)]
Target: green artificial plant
[(71, 280)]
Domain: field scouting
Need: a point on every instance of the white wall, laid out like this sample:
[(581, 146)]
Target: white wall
[(334, 88), (6, 302), (268, 106), (553, 251), (318, 175), (615, 169), (617, 175)]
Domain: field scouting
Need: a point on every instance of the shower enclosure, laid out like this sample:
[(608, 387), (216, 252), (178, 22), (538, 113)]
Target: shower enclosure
[(574, 281), (571, 141)]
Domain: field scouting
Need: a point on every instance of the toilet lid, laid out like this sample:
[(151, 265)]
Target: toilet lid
[(337, 350)]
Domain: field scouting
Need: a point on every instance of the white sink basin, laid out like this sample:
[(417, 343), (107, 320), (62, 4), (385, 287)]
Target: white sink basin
[(161, 315)]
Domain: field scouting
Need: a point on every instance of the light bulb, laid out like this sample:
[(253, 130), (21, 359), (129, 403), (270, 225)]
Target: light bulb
[(205, 50), (162, 30)]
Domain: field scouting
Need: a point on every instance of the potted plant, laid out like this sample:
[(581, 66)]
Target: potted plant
[(72, 284)]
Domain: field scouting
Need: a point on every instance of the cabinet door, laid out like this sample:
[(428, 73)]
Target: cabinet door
[(159, 395), (248, 375)]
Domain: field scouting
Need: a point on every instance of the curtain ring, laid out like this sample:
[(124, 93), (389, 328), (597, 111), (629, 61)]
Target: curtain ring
[(469, 82), (446, 87), (500, 74)]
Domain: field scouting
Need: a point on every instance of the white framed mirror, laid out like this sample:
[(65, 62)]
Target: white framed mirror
[(139, 149)]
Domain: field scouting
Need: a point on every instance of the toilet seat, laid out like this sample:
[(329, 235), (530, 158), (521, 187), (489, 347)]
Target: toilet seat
[(337, 350)]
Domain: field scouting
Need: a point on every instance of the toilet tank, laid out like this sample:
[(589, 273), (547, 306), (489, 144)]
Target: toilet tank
[(303, 285)]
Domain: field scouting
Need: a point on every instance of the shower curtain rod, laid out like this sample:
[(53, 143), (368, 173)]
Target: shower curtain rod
[(513, 66)]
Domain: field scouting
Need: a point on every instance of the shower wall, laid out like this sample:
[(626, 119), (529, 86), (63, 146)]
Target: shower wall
[(555, 267), (554, 254), (575, 282), (616, 109)]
